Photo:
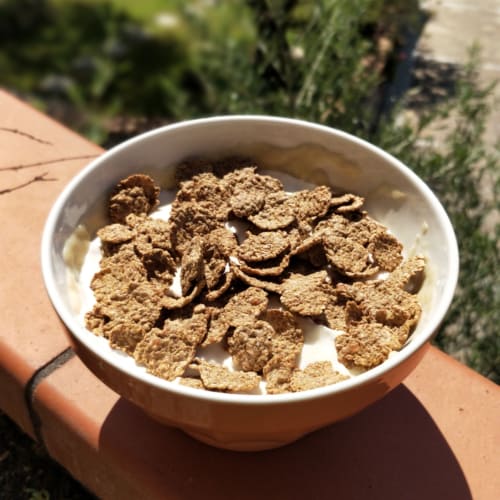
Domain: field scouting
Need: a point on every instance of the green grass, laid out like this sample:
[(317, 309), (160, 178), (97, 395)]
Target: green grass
[(143, 10), (96, 60), (457, 169)]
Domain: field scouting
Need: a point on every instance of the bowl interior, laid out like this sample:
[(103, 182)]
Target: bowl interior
[(394, 196)]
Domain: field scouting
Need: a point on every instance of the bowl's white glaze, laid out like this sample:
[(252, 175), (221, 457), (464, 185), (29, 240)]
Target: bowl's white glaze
[(394, 195)]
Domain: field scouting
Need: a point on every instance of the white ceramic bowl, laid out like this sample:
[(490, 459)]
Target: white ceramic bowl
[(394, 195)]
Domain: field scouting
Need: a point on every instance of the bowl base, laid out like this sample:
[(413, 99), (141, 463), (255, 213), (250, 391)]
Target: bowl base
[(233, 444)]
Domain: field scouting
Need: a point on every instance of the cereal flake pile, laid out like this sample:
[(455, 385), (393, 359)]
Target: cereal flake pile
[(313, 253)]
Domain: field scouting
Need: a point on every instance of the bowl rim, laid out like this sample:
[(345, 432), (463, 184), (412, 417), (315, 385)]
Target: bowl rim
[(77, 330)]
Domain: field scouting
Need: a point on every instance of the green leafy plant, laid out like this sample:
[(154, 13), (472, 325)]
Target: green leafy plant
[(322, 61), (37, 494), (336, 81), (464, 172), (93, 62)]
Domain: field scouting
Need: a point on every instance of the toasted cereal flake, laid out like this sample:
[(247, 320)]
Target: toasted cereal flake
[(95, 321), (111, 293), (128, 309), (348, 257), (151, 234), (193, 382), (224, 239), (306, 244), (251, 302), (160, 266), (384, 296), (218, 378), (190, 219), (214, 267), (311, 204), (165, 356), (298, 233), (169, 302), (363, 227), (124, 265), (317, 374), (248, 180), (241, 308), (218, 327), (123, 296), (250, 345), (401, 333), (366, 345), (334, 226), (356, 227), (409, 275), (263, 246), (347, 203), (403, 316), (287, 341), (221, 288), (353, 313), (206, 188), (285, 326), (231, 164), (169, 351), (252, 281), (219, 244), (382, 302), (137, 194), (335, 314), (276, 214), (192, 167), (192, 264), (244, 203), (385, 250), (273, 267), (306, 295), (194, 327), (310, 249), (115, 234), (278, 379), (248, 190), (124, 335)]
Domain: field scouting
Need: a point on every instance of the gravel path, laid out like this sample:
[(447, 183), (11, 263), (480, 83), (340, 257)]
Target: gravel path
[(453, 27)]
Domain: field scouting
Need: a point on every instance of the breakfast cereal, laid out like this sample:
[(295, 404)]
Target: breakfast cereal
[(239, 265)]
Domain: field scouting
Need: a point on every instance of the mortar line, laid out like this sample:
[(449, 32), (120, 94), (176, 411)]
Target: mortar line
[(30, 389)]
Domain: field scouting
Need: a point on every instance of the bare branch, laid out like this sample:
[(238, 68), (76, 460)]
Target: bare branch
[(25, 134), (38, 178), (46, 162)]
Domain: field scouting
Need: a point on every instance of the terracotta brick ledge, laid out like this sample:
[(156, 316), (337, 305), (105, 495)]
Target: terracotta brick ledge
[(436, 436)]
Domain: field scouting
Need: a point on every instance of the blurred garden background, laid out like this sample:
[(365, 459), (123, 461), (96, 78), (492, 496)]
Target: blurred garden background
[(110, 69)]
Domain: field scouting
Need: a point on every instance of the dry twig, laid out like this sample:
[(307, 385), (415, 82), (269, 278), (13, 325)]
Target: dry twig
[(38, 178), (46, 162), (25, 134)]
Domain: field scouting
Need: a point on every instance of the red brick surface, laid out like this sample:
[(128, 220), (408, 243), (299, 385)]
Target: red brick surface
[(30, 331), (466, 408), (436, 436), (421, 441)]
